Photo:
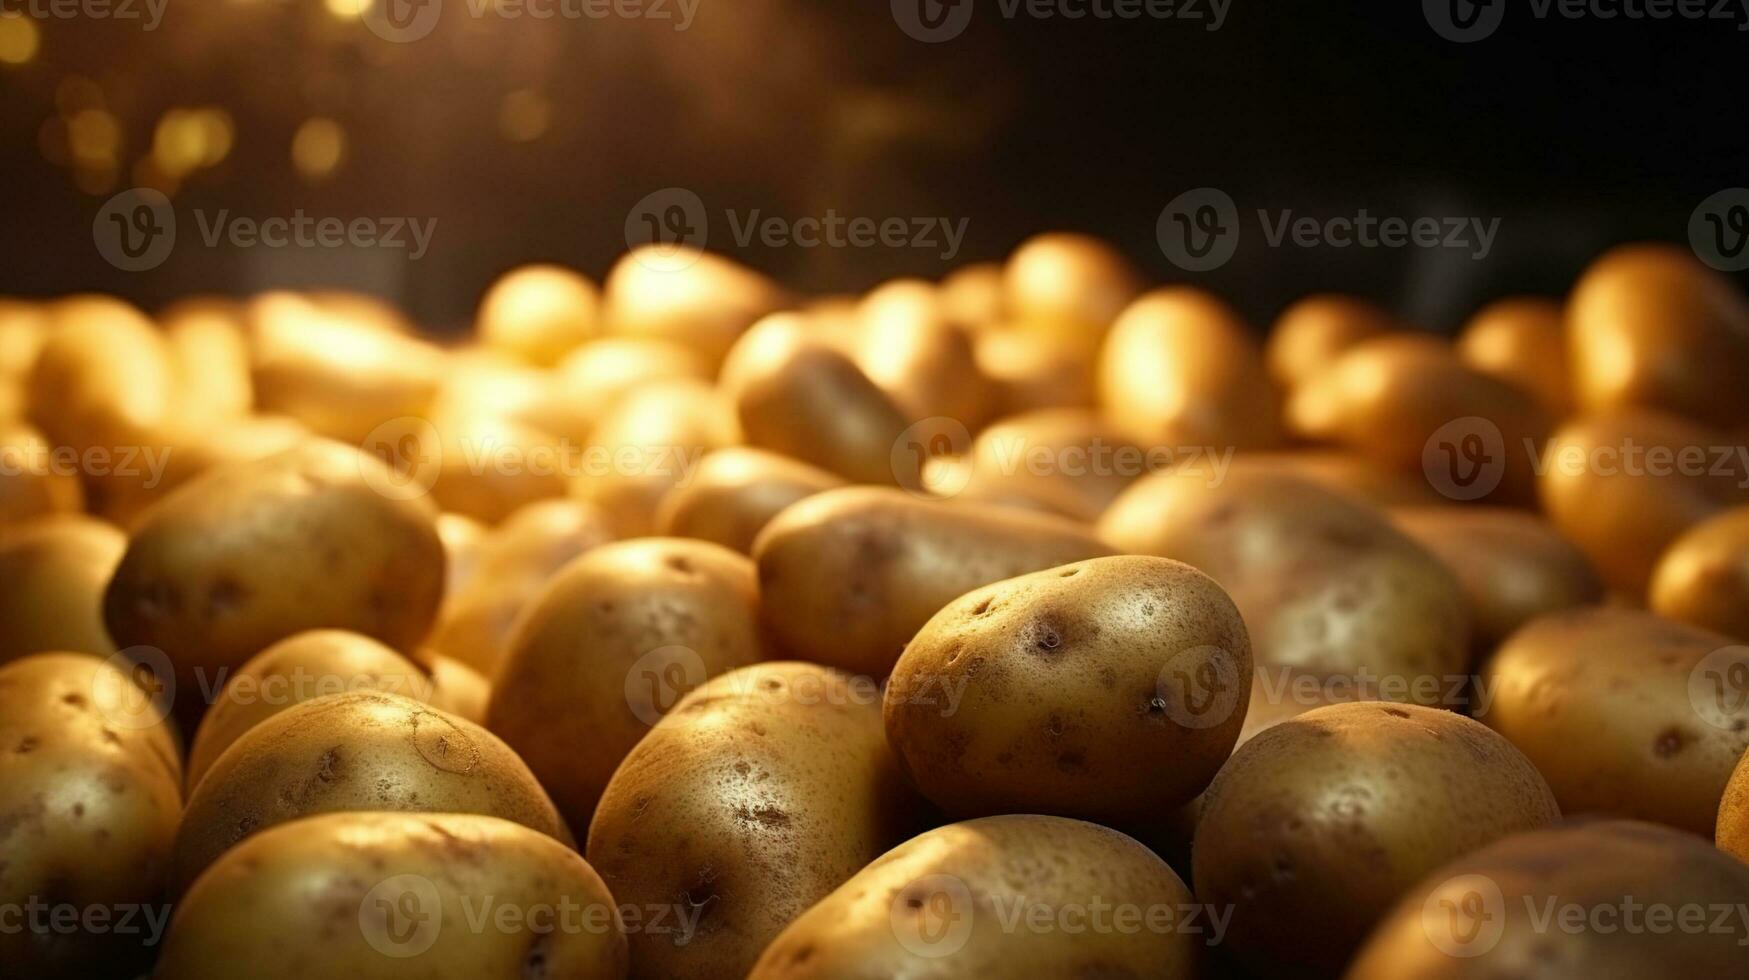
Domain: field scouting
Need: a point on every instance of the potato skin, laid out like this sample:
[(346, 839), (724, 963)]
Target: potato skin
[(1067, 287), (757, 795), (323, 884), (1620, 711), (247, 555), (90, 792), (848, 576), (889, 920), (52, 575), (1522, 340), (358, 751), (670, 424), (538, 312), (1318, 824), (1440, 931), (1314, 331), (1044, 693), (1066, 461), (611, 643), (736, 492), (699, 300), (1704, 578), (1732, 834)]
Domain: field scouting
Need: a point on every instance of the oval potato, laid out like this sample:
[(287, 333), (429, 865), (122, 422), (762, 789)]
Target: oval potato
[(1704, 578), (735, 492), (52, 575)]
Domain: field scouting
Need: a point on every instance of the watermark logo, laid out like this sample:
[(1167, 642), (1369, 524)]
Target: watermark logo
[(402, 916), (932, 21), (1718, 688), (1199, 229), (920, 446), (1718, 231), (660, 678), (1464, 21), (401, 21), (673, 221), (139, 693), (1200, 687), (1465, 459), (409, 445), (135, 230), (149, 13), (932, 917), (676, 223), (1465, 916)]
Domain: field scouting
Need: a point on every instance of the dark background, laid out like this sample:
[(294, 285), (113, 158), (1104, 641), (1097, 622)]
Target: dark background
[(1576, 134)]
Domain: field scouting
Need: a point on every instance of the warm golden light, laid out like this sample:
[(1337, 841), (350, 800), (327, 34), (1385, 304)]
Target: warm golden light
[(179, 143), (346, 9), (19, 39), (318, 148), (94, 136), (524, 115)]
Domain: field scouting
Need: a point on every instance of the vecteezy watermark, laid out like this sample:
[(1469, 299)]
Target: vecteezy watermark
[(1468, 915), (136, 230), (402, 916), (404, 21), (36, 457), (1200, 687), (39, 917), (1718, 688), (659, 678), (1464, 21), (1718, 231), (147, 13), (934, 21), (1466, 458), (1200, 230), (676, 222)]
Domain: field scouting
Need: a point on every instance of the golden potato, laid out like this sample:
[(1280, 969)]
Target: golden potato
[(1005, 896), (971, 295), (1512, 564), (1070, 461), (488, 467), (37, 478), (210, 358), (647, 444), (1316, 330), (593, 377), (698, 300), (1604, 900), (363, 750), (1180, 369), (246, 555), (752, 799), (1354, 475), (103, 376), (1315, 827), (90, 792), (1651, 327), (926, 364), (458, 688), (1068, 287), (1625, 713), (608, 646), (52, 575), (1732, 833), (462, 539), (736, 492), (1031, 372), (1522, 341), (1045, 693), (447, 896), (538, 312), (1704, 578), (848, 576)]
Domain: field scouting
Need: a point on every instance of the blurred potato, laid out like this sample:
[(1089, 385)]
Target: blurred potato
[(489, 467), (37, 477), (52, 575), (971, 295), (596, 375), (1069, 461), (925, 363), (698, 300), (538, 312), (168, 458), (1311, 333), (1523, 341), (462, 538), (650, 442), (1030, 372), (1703, 579), (210, 358), (1068, 287), (103, 376), (736, 492), (1353, 475)]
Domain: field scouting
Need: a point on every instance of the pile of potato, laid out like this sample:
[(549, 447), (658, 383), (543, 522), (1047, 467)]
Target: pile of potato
[(1030, 623)]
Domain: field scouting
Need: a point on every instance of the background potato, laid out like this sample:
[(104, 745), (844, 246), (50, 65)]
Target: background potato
[(1067, 287), (1625, 713), (654, 436), (103, 375), (462, 537), (971, 295), (1353, 475), (397, 895), (756, 796), (90, 791), (926, 364), (848, 576), (1481, 915), (1045, 693), (209, 357), (247, 555), (1314, 331), (1033, 372), (1704, 578), (698, 300), (359, 751), (1522, 340), (32, 482), (1070, 461), (608, 646), (538, 312), (1318, 824), (735, 492), (934, 907), (52, 575), (599, 373)]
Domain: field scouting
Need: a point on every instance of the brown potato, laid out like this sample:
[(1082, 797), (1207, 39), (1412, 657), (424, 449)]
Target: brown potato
[(1732, 833), (1512, 564), (1068, 287), (1604, 900), (971, 295), (1354, 475), (736, 492), (608, 646), (33, 481), (1314, 331), (1523, 341), (462, 538), (538, 312), (52, 575), (1315, 827), (1031, 372), (488, 467), (1625, 713), (1180, 369), (210, 357), (696, 299), (647, 444), (447, 896), (246, 555), (1069, 461), (1704, 578), (103, 376), (1044, 693), (90, 791), (752, 799), (937, 906), (848, 576), (1651, 327), (458, 688), (359, 751), (595, 376), (926, 364)]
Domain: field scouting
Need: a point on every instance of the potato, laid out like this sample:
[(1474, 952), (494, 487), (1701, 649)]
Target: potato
[(797, 395), (462, 539), (488, 467), (1704, 578), (89, 797), (1180, 369), (735, 492), (23, 326), (1067, 287), (1325, 583), (1651, 327), (696, 299), (1353, 475), (210, 358), (1044, 693), (1610, 900), (444, 895), (458, 688), (172, 456), (363, 750), (1522, 341), (1625, 713), (247, 555), (52, 575), (926, 364), (651, 441), (1031, 372), (848, 576), (1409, 402), (941, 905), (1625, 486), (1314, 331), (1732, 833), (33, 481), (1512, 564), (608, 646), (971, 295), (752, 799), (1068, 460), (103, 376), (538, 312), (595, 376), (300, 668), (1315, 827)]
